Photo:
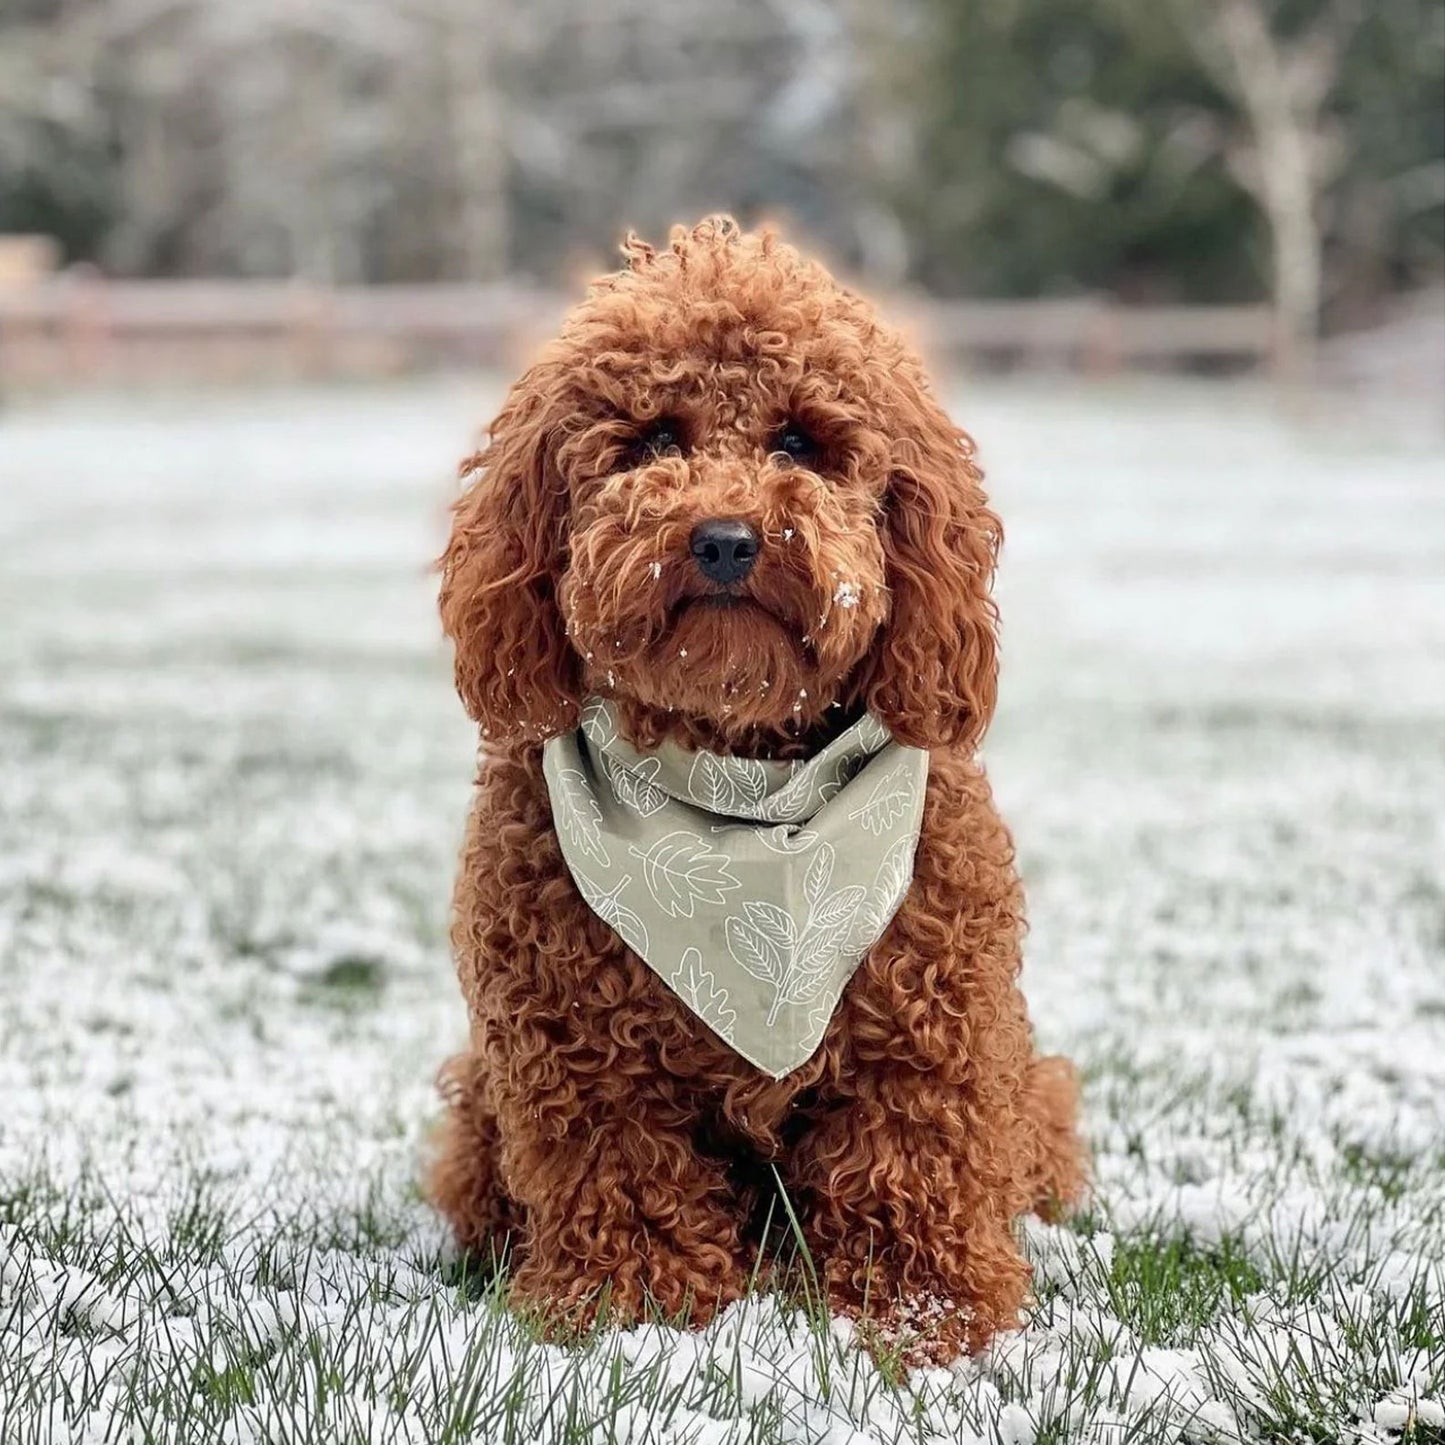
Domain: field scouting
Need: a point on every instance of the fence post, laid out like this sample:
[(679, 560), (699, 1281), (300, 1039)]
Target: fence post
[(1103, 351), (87, 323), (312, 318)]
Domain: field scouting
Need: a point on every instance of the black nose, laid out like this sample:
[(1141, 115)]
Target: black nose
[(723, 550)]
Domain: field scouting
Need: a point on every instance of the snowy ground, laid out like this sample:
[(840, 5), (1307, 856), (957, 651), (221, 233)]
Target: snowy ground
[(232, 776)]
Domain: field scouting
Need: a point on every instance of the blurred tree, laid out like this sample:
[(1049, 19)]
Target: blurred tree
[(1195, 149), (628, 113), (55, 151), (1281, 80), (473, 43), (1067, 147), (1385, 223), (1200, 149)]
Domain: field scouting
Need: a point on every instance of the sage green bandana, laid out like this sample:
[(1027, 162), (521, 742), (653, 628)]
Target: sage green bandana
[(753, 889)]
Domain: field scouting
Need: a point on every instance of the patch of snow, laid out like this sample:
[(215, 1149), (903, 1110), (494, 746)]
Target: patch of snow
[(232, 779)]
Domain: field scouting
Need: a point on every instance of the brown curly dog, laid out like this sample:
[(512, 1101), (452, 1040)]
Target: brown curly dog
[(621, 1146)]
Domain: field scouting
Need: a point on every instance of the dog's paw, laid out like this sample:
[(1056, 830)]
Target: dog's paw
[(903, 1333), (567, 1305)]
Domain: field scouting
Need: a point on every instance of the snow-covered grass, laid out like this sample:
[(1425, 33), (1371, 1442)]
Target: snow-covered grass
[(232, 777)]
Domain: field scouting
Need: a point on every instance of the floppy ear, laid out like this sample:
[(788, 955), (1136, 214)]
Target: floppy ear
[(515, 671), (934, 675)]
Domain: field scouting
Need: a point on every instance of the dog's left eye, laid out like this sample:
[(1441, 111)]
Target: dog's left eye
[(661, 438), (796, 443)]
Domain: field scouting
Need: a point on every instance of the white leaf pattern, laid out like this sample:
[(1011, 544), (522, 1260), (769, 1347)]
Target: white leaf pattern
[(727, 785), (868, 927), (872, 735), (635, 785), (755, 951), (607, 905), (814, 968), (886, 804), (819, 874), (845, 769), (770, 920), (894, 875), (765, 940), (838, 909), (579, 815), (780, 806), (818, 946), (596, 722), (697, 988), (680, 871)]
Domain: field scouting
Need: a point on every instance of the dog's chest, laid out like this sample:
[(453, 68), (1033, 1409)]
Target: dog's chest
[(756, 1123)]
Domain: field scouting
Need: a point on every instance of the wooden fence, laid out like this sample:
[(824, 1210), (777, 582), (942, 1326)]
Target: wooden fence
[(79, 329), (1097, 334)]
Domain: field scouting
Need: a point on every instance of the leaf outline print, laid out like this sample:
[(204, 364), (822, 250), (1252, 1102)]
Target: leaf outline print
[(681, 871), (726, 785), (891, 797), (698, 989), (580, 817), (635, 785), (608, 906), (596, 722)]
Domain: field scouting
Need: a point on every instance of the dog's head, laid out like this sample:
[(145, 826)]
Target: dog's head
[(725, 497)]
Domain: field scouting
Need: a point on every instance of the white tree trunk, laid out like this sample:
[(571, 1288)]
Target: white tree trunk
[(1291, 208), (1281, 87)]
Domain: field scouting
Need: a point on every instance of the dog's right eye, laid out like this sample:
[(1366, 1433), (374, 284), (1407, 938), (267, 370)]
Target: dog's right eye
[(660, 438)]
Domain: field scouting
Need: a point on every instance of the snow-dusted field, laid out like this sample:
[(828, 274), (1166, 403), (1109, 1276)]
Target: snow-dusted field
[(232, 778)]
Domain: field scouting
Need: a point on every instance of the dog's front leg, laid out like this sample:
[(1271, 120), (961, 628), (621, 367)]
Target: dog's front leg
[(909, 1201), (623, 1215)]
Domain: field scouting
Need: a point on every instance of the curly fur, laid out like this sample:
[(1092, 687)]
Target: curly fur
[(594, 1120)]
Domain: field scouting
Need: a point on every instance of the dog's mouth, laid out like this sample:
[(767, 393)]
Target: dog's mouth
[(736, 607)]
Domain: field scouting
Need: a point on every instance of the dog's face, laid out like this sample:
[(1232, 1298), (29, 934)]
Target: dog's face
[(726, 498)]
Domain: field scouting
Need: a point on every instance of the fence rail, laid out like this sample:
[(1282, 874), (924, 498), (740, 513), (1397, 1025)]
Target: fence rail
[(84, 329)]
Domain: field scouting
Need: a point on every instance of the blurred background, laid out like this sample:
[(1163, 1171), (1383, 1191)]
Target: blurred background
[(209, 189)]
